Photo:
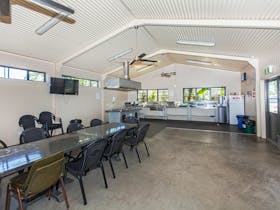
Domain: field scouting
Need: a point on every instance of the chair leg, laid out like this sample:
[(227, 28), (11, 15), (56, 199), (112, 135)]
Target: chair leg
[(82, 189), (146, 149), (64, 192), (104, 176), (124, 160), (19, 200), (138, 154), (112, 169), (8, 198)]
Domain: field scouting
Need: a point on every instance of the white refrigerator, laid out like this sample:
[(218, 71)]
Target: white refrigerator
[(235, 107)]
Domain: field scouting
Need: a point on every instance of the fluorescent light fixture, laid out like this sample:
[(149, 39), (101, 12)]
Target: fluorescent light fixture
[(196, 43), (121, 54), (144, 68), (200, 62), (49, 24)]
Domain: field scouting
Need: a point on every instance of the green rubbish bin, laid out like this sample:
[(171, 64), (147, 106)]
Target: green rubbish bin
[(250, 127)]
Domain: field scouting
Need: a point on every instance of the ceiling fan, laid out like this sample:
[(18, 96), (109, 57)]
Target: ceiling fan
[(140, 58), (56, 11), (168, 74)]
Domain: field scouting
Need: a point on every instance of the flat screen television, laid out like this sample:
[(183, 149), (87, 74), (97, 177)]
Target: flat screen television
[(64, 86)]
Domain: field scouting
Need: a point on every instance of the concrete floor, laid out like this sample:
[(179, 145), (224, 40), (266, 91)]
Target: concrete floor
[(187, 170)]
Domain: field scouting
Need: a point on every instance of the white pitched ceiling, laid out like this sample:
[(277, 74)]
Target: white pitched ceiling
[(205, 9), (97, 59), (169, 58), (94, 19), (99, 18), (229, 41)]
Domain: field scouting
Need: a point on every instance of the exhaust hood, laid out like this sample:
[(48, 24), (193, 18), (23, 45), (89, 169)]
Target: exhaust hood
[(123, 84)]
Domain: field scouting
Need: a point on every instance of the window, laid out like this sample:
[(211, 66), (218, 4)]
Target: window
[(36, 76), (142, 95), (22, 74), (189, 94), (152, 95), (163, 95), (203, 94), (17, 74), (216, 92), (84, 82), (272, 96), (2, 71)]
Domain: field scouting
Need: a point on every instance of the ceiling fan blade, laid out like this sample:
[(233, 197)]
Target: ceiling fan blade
[(42, 10), (150, 61), (5, 11), (142, 55)]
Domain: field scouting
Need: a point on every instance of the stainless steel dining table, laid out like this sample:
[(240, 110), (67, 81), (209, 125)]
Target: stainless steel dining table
[(18, 157)]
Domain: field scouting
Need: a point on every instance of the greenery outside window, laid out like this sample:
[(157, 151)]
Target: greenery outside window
[(203, 94), (84, 82), (22, 74), (152, 96)]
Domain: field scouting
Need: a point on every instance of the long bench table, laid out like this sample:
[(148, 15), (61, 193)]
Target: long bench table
[(18, 157)]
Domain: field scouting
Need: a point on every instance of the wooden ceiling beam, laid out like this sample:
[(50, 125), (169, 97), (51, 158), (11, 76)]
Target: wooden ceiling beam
[(40, 9)]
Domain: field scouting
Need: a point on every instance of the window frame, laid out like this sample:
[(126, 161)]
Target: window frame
[(79, 78), (196, 88), (278, 94), (8, 68)]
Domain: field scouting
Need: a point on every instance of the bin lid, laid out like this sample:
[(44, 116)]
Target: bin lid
[(242, 116)]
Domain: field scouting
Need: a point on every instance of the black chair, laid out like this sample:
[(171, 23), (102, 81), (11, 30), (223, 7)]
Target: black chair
[(115, 148), (32, 134), (2, 144), (74, 127), (76, 121), (131, 120), (133, 141), (90, 158), (95, 122), (46, 119), (27, 121)]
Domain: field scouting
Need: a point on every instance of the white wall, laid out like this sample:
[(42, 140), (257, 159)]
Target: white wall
[(86, 106), (188, 76), (21, 97), (27, 97), (247, 88)]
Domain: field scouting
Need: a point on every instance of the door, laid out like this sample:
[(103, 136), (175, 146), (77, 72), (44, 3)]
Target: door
[(273, 119)]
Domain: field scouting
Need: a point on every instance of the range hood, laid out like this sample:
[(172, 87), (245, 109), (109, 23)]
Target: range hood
[(123, 84)]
